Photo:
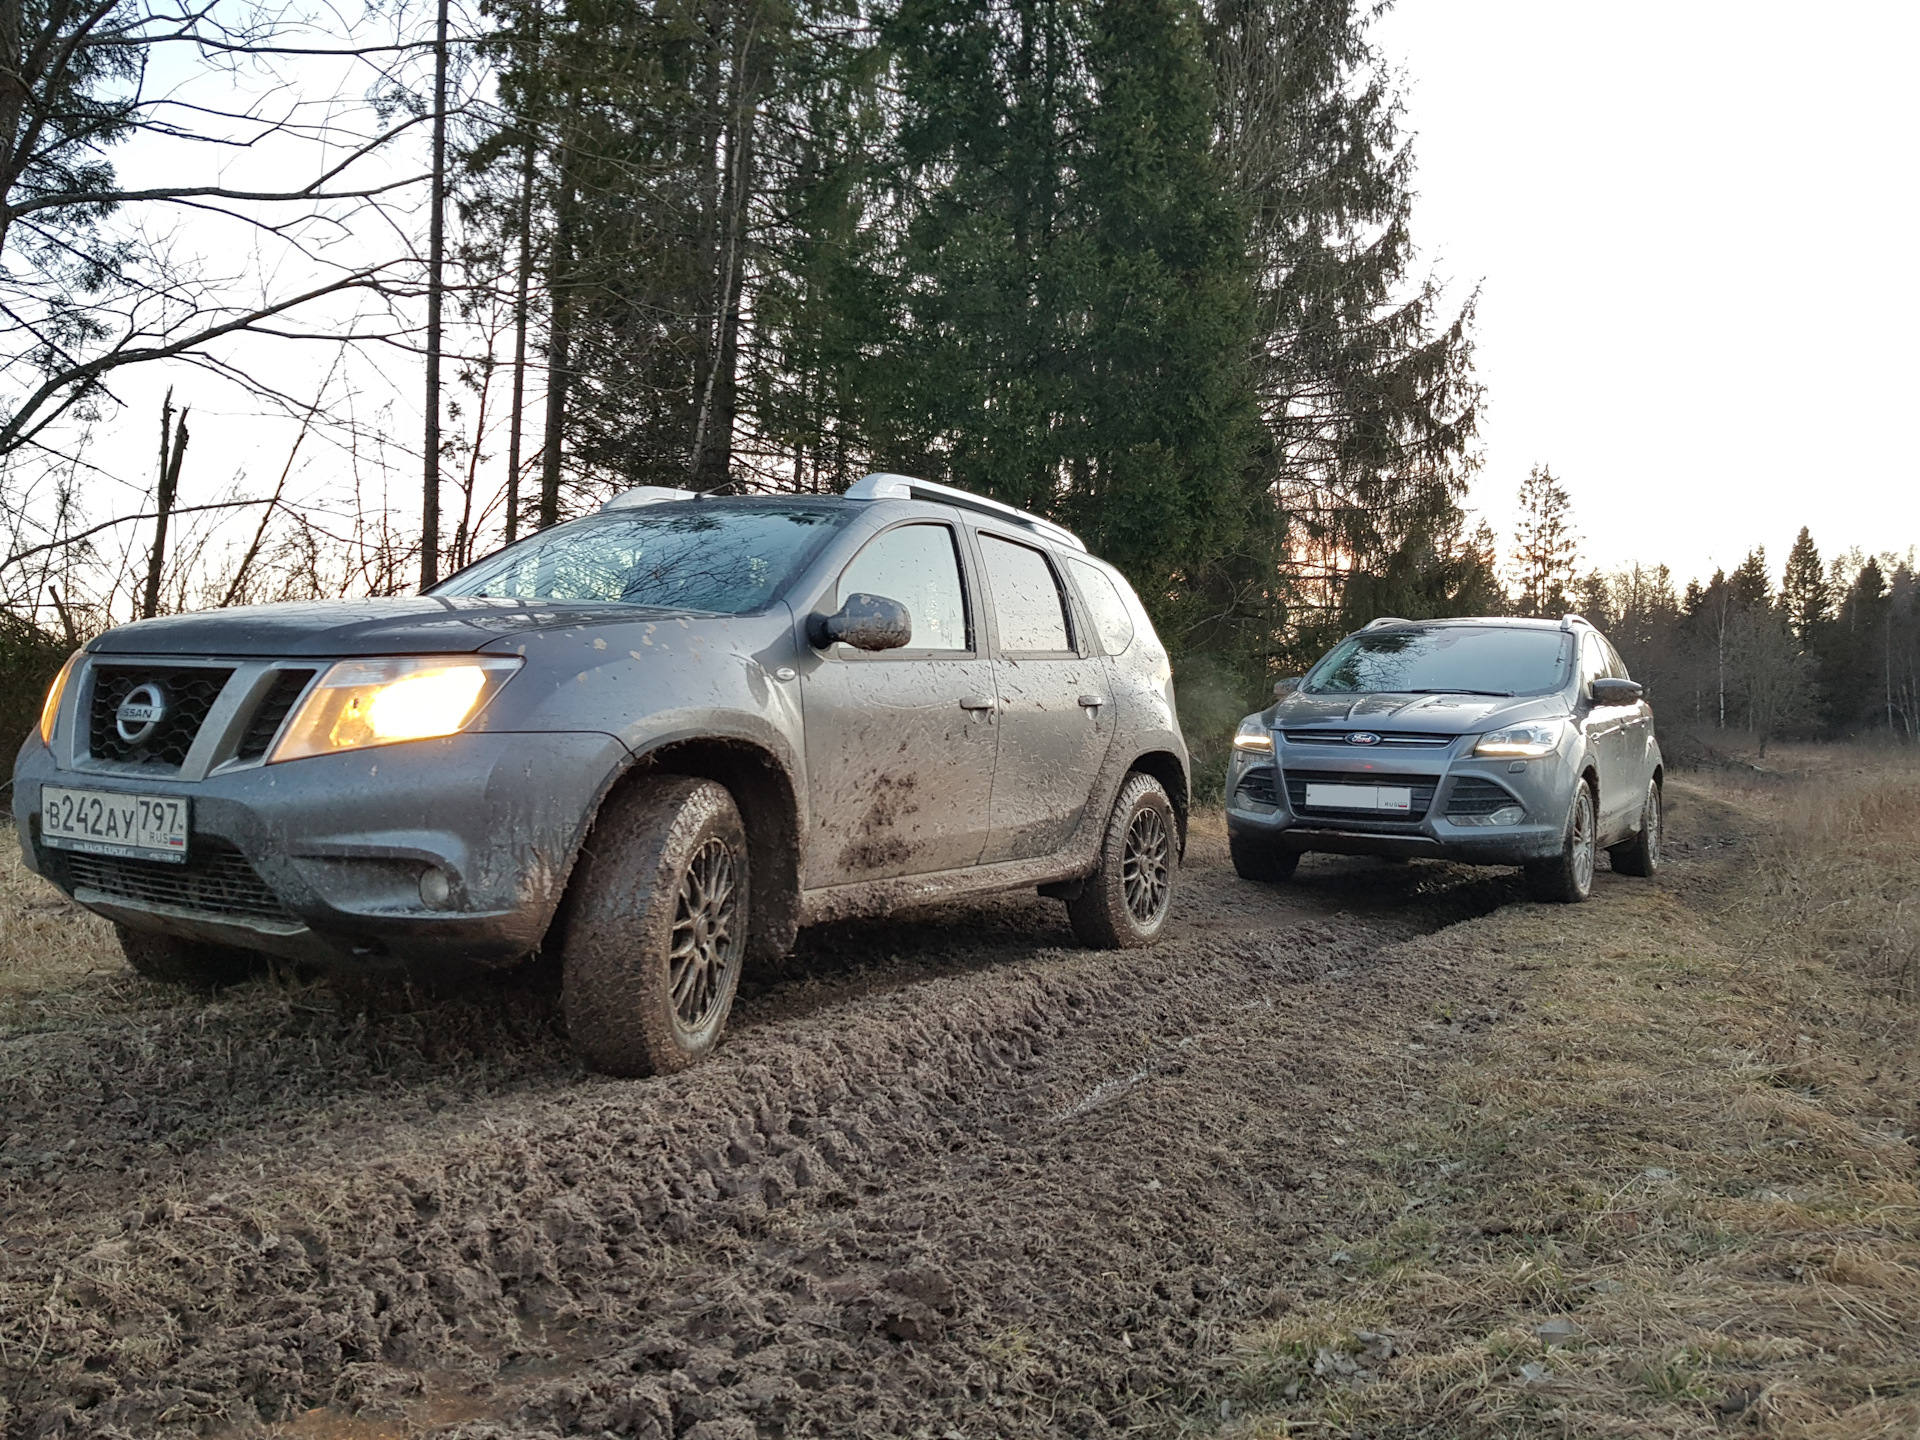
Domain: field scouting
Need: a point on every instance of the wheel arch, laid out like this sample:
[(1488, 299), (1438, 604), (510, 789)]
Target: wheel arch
[(763, 790), (1171, 771)]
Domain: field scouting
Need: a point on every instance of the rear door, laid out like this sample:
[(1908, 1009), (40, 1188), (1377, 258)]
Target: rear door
[(1056, 705), (900, 743)]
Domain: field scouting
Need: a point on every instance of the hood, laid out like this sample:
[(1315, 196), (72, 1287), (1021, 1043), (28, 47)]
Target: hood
[(402, 625), (1412, 714)]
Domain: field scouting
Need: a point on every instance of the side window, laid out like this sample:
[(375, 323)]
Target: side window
[(918, 566), (1593, 662), (1111, 622), (1026, 598)]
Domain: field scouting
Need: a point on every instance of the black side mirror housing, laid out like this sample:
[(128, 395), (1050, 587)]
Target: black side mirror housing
[(1611, 691), (1285, 687), (866, 622)]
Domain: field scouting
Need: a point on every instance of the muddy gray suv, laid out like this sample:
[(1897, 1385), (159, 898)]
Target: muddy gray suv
[(656, 740), (1490, 741)]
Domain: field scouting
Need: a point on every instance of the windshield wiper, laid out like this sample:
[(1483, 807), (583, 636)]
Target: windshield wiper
[(1503, 694)]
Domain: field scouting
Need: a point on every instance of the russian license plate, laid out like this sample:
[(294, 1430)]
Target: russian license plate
[(105, 822), (1390, 798)]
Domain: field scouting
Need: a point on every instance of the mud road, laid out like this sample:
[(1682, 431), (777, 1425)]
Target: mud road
[(949, 1175)]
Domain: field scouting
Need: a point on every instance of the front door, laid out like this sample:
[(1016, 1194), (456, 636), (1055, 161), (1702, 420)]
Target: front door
[(900, 743), (1056, 704), (1607, 727)]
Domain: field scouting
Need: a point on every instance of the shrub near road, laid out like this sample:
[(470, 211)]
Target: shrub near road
[(1383, 1150)]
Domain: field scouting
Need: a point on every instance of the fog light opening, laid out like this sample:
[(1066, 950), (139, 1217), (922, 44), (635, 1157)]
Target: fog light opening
[(436, 890)]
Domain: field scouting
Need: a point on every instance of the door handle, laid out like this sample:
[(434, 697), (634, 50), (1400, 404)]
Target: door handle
[(976, 702), (1092, 702)]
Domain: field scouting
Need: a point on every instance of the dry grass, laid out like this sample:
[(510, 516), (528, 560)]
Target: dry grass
[(1674, 1188), (50, 949)]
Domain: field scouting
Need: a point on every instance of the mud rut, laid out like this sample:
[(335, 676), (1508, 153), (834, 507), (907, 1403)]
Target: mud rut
[(948, 1176)]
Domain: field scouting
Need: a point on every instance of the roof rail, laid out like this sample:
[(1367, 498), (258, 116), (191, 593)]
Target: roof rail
[(648, 495), (905, 487), (1567, 622), (1385, 620)]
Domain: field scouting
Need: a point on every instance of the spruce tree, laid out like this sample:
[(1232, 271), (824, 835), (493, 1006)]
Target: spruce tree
[(1545, 546), (1803, 589)]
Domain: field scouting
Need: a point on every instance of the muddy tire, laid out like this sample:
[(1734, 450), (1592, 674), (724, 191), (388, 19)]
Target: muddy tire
[(1125, 903), (1568, 878), (656, 928), (1641, 854), (1268, 864), (193, 963)]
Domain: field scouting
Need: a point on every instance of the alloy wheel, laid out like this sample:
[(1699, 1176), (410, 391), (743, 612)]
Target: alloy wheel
[(706, 938), (1583, 828), (1146, 867)]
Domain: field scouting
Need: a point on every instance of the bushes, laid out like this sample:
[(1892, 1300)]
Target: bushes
[(29, 658)]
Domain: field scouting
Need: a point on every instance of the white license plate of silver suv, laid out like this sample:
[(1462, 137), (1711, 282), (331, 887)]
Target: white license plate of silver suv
[(107, 822), (1394, 799)]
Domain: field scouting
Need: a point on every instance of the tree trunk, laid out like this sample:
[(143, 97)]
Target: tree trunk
[(559, 344), (520, 342), (176, 443), (436, 264)]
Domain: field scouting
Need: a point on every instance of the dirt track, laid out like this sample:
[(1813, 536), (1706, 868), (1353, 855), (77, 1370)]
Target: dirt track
[(947, 1176)]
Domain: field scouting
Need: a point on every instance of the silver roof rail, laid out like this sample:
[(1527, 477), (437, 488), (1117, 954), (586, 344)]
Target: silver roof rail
[(905, 487), (1567, 622), (648, 495), (1385, 620)]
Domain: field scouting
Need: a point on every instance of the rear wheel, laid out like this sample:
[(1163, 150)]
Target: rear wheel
[(194, 963), (656, 929), (1255, 860), (1125, 903), (1641, 854), (1568, 877)]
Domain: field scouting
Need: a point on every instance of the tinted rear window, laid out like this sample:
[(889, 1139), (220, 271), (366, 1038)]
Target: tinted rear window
[(731, 559), (1448, 658)]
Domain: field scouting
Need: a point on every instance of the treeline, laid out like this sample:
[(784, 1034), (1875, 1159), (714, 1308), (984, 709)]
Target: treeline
[(1140, 265)]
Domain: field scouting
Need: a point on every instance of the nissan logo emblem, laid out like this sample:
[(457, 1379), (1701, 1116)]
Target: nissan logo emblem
[(1363, 737), (140, 713)]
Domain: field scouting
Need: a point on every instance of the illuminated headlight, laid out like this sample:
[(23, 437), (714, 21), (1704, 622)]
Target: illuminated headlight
[(50, 708), (359, 703), (1536, 737), (1253, 736)]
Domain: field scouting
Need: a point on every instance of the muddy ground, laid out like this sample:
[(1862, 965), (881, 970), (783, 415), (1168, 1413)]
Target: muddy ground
[(949, 1175)]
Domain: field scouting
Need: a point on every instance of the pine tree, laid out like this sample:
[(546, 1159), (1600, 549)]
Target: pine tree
[(1751, 584), (1803, 589), (1545, 546)]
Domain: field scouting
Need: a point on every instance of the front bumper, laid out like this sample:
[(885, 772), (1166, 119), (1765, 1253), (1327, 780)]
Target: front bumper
[(322, 859), (1269, 809)]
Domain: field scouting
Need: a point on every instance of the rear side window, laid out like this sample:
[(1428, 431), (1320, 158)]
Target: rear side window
[(1111, 622), (918, 566), (1026, 598)]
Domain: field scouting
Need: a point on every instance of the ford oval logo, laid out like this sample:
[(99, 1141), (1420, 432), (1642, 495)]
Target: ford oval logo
[(1363, 737), (140, 713)]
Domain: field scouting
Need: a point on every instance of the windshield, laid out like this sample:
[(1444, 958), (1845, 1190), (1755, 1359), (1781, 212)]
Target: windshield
[(1448, 660), (728, 558)]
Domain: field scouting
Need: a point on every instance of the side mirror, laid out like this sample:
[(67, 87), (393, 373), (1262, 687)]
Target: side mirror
[(866, 622), (1609, 691), (1284, 688)]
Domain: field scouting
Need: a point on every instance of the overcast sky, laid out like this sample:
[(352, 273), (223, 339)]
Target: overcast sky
[(1693, 226)]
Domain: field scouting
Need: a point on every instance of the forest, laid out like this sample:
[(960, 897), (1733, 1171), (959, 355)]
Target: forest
[(1145, 266)]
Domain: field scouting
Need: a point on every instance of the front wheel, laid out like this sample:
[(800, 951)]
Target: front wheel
[(193, 963), (656, 929), (1568, 877), (1641, 854), (1125, 903), (1267, 863)]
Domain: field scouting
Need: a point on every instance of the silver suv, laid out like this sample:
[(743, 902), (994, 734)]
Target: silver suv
[(656, 741), (1489, 741)]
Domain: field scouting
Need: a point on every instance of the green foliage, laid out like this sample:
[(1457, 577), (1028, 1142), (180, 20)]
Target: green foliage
[(1545, 546), (29, 658)]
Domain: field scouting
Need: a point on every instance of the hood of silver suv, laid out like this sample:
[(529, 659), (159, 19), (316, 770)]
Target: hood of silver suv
[(1420, 714), (401, 625)]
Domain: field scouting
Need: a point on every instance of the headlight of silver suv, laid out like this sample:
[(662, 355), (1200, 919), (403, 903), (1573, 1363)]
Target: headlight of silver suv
[(359, 703), (1253, 737), (1536, 737)]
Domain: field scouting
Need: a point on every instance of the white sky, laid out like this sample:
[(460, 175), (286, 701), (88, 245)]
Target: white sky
[(1693, 225)]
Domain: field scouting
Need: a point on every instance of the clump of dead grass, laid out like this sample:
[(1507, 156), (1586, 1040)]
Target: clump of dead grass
[(47, 943), (1673, 1195), (1839, 868)]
